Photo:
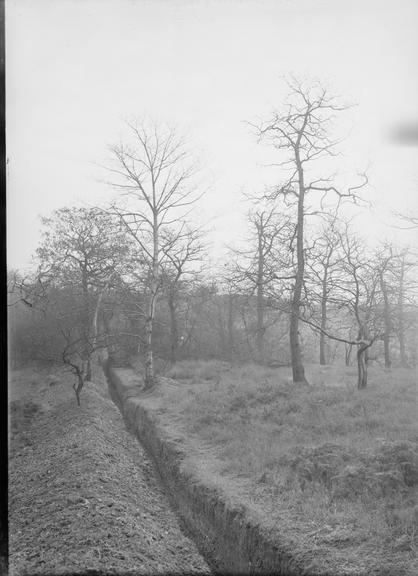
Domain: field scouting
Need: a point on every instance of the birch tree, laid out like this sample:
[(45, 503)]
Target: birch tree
[(153, 175)]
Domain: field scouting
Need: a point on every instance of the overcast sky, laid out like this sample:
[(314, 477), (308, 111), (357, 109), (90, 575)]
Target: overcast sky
[(77, 68)]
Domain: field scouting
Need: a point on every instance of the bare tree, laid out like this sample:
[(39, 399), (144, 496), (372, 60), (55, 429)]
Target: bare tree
[(56, 333), (153, 177), (226, 305), (255, 270), (76, 346), (82, 249), (323, 263), (73, 353), (178, 273), (359, 293), (29, 290), (384, 262), (402, 265), (302, 135)]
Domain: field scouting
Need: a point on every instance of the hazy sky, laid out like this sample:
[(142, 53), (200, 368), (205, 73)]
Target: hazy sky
[(77, 68)]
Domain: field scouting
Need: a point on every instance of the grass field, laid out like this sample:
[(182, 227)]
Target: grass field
[(341, 463)]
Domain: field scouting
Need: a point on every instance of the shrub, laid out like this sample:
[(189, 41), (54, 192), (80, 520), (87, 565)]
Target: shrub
[(316, 464), (197, 370), (399, 457), (22, 414)]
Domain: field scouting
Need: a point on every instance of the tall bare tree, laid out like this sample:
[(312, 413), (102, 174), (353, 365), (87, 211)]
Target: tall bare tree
[(153, 175), (302, 135)]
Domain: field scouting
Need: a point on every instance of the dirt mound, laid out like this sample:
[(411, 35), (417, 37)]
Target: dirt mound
[(84, 496)]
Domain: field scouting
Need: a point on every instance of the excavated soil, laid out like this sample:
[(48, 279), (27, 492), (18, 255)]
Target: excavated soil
[(84, 497)]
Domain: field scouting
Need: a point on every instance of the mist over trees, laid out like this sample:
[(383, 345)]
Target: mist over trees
[(134, 275)]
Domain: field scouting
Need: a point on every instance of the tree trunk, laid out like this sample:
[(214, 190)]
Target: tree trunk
[(322, 345), (322, 342), (260, 301), (86, 352), (231, 338), (296, 356), (252, 356), (149, 326), (361, 367), (386, 345), (362, 359), (88, 369), (221, 333), (94, 333), (149, 323), (295, 350), (95, 328), (401, 317), (348, 350), (79, 385), (174, 334), (108, 340), (387, 321)]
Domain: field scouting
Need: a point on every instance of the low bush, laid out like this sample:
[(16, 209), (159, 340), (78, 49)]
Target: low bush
[(197, 370)]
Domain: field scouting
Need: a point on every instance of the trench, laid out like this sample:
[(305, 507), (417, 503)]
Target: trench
[(184, 526), (84, 496), (226, 534), (160, 476)]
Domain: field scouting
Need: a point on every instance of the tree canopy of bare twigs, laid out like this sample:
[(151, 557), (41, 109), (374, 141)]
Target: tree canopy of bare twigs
[(254, 271), (82, 251), (302, 134), (154, 178)]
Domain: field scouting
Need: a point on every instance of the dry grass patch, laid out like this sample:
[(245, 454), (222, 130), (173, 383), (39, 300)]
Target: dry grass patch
[(343, 462)]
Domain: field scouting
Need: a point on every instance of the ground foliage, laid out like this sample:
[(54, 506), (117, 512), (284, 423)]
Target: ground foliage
[(335, 468), (83, 496)]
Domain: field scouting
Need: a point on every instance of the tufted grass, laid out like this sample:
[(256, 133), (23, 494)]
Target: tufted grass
[(344, 461)]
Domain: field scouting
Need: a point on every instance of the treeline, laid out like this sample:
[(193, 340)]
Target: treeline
[(243, 315), (134, 276)]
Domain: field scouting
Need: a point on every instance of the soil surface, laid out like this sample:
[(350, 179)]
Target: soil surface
[(83, 495)]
